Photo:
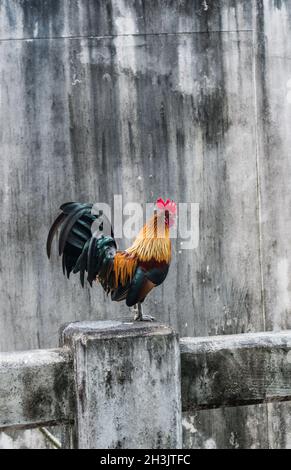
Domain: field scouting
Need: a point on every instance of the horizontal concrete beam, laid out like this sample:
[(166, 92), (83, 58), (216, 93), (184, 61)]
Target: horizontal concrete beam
[(36, 388), (235, 370)]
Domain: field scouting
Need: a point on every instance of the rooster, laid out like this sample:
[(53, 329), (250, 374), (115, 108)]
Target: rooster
[(126, 275)]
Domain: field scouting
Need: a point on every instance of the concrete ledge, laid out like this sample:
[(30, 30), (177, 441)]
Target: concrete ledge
[(124, 380), (91, 330), (36, 388), (235, 370)]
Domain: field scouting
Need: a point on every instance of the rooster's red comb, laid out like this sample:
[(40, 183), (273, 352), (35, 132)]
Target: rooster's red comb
[(167, 205)]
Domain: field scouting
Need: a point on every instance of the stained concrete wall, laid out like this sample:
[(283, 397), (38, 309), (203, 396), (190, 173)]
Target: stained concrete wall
[(145, 98)]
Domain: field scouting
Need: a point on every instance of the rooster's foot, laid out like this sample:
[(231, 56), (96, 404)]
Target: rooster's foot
[(139, 316), (144, 318)]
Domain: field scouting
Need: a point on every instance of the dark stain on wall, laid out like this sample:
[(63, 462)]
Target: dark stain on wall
[(42, 18), (68, 136)]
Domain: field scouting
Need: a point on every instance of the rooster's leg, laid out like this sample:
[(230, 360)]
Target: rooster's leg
[(139, 316)]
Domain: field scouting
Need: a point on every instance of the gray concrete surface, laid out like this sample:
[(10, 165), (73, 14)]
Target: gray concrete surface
[(119, 383), (233, 370), (127, 381), (152, 98), (36, 388)]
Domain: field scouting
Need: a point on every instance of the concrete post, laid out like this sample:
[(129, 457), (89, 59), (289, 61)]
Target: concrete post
[(127, 379)]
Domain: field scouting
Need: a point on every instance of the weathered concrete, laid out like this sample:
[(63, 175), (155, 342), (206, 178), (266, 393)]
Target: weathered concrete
[(90, 18), (192, 97), (240, 427), (235, 370), (25, 439), (36, 387), (142, 116), (273, 88), (137, 361), (127, 379)]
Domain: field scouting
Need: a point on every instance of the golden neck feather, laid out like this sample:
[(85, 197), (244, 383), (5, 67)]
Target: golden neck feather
[(153, 241)]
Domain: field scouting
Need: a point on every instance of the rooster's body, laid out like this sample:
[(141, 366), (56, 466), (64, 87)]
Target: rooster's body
[(127, 275)]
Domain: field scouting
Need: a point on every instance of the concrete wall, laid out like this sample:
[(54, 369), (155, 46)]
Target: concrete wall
[(147, 98)]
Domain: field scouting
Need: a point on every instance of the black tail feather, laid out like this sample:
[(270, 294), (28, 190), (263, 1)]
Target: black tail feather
[(90, 260), (69, 223), (80, 251), (82, 262), (71, 253), (64, 264), (61, 217)]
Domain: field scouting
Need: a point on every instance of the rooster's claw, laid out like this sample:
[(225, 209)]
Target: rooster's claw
[(137, 317)]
